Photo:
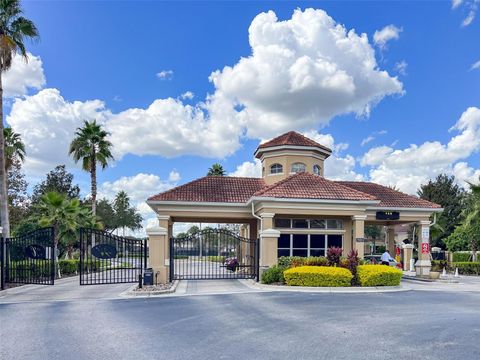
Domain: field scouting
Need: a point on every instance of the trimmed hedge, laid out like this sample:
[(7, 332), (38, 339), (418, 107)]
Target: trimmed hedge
[(466, 267), (378, 275), (273, 274), (462, 257), (68, 267), (294, 261), (318, 276)]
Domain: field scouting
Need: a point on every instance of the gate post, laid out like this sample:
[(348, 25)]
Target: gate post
[(268, 249), (159, 251)]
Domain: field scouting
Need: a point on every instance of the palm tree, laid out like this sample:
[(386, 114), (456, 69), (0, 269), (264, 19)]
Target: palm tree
[(60, 213), (216, 170), (91, 146), (14, 148), (66, 216), (14, 30)]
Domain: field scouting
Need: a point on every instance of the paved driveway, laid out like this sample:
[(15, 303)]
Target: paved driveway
[(405, 325), (64, 289)]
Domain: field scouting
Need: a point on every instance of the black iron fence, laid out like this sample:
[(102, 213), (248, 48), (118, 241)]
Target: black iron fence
[(29, 259), (109, 259), (213, 254)]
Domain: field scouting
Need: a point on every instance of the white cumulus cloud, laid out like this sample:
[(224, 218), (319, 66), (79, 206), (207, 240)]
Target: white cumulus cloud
[(47, 123), (302, 72), (165, 74), (383, 36), (23, 75), (410, 167)]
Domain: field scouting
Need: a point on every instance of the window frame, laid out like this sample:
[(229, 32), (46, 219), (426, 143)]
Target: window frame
[(316, 166), (309, 248), (275, 173), (298, 163)]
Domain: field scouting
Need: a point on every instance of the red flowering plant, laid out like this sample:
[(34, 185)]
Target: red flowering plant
[(231, 263)]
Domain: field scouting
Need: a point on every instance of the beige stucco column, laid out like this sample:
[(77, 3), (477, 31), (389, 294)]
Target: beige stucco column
[(358, 234), (391, 241), (159, 249), (423, 264), (268, 242), (407, 256)]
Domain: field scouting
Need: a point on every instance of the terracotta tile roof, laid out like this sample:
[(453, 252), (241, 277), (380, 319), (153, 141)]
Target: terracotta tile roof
[(309, 186), (213, 189), (294, 139), (389, 198)]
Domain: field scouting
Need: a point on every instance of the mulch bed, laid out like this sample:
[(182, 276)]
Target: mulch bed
[(150, 288)]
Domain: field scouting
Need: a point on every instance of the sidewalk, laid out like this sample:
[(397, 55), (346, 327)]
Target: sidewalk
[(465, 284)]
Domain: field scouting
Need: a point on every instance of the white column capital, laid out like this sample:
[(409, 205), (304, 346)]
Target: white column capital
[(156, 230), (425, 222), (407, 246), (359, 217), (270, 233), (267, 215), (163, 217)]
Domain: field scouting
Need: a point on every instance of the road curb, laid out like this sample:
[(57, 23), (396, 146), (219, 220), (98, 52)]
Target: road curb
[(339, 290), (130, 293)]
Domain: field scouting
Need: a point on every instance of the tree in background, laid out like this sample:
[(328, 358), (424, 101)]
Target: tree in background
[(472, 219), (19, 201), (119, 214), (445, 192), (106, 214), (126, 216), (14, 30), (59, 180), (91, 146), (216, 170), (373, 232)]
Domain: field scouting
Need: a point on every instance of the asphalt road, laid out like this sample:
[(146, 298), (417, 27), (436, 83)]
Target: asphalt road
[(406, 325)]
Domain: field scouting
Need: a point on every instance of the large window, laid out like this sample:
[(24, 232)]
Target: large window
[(298, 167), (307, 244), (276, 169), (329, 224)]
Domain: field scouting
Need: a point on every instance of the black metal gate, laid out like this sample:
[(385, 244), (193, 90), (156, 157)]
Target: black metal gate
[(213, 254), (109, 259), (29, 259)]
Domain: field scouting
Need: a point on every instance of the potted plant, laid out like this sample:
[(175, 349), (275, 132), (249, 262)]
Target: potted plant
[(231, 264)]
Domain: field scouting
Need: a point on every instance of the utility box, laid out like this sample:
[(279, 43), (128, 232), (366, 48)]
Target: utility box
[(148, 277)]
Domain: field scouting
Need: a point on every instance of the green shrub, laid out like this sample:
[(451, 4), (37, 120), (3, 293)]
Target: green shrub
[(461, 257), (315, 261), (294, 261), (439, 265), (273, 274), (466, 267), (220, 259), (318, 276), (180, 257), (378, 275), (68, 267)]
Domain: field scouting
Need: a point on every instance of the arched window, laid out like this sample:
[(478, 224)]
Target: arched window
[(276, 169), (298, 167), (317, 169)]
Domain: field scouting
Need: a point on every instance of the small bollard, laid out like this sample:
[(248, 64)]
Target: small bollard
[(140, 282), (456, 273), (444, 273)]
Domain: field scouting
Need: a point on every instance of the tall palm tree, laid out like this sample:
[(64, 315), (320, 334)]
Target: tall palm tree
[(14, 30), (92, 147), (14, 148), (216, 170)]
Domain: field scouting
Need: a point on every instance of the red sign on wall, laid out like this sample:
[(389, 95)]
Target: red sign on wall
[(425, 248), (397, 250)]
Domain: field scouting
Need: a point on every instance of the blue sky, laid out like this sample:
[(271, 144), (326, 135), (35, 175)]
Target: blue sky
[(112, 52)]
